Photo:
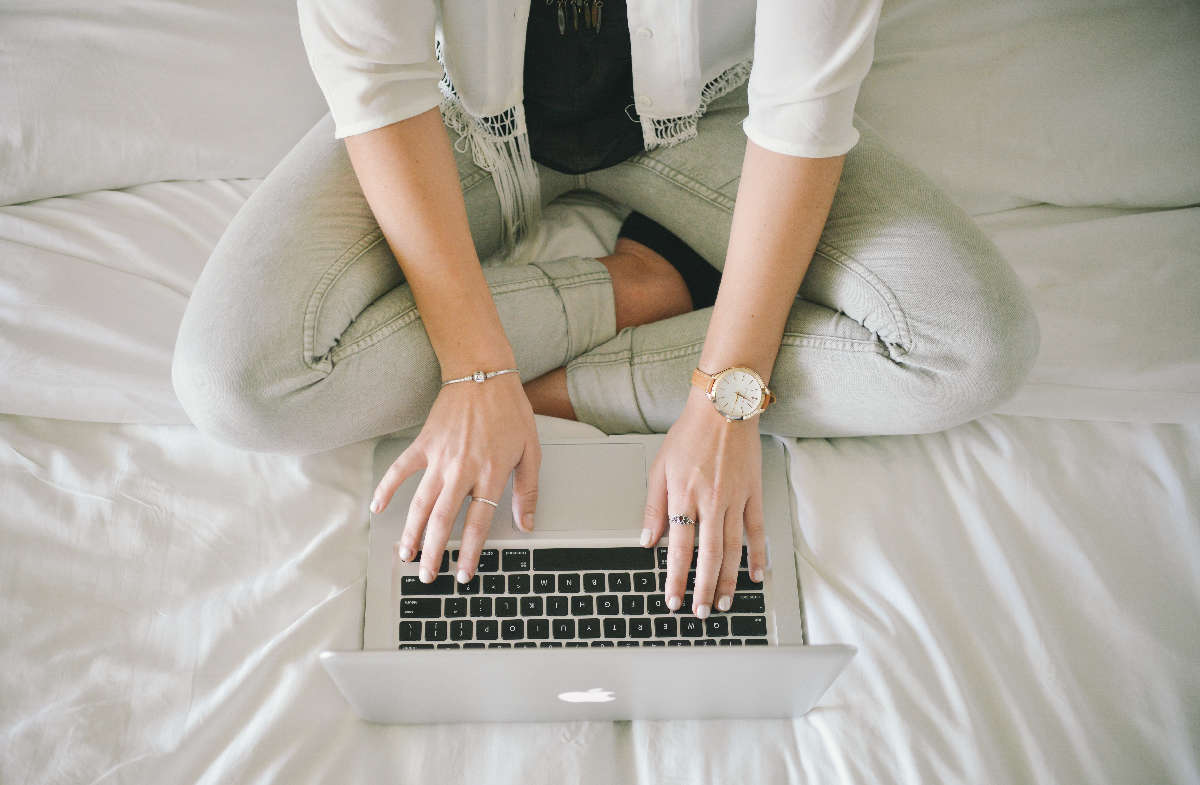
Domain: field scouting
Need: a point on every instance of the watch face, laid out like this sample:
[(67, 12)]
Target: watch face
[(737, 394)]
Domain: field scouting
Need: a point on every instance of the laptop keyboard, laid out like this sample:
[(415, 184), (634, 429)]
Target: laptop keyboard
[(570, 597)]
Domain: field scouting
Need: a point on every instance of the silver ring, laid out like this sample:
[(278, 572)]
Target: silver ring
[(682, 520), (481, 499)]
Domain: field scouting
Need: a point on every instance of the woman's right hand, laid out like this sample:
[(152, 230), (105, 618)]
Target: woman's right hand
[(475, 436)]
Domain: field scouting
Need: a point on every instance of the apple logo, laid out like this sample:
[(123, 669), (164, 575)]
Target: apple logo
[(594, 695)]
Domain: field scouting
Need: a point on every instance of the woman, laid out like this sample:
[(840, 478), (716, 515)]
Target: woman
[(346, 300)]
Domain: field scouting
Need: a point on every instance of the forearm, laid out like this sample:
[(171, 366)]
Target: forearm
[(408, 175), (782, 204)]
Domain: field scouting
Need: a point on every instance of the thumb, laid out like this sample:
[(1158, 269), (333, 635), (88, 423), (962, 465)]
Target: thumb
[(525, 486)]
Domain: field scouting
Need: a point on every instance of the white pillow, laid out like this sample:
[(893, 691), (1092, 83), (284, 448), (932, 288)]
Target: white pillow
[(106, 95), (1070, 102)]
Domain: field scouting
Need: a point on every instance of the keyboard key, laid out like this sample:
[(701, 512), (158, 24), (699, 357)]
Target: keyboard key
[(454, 554), (506, 607), (568, 582), (447, 645), (577, 559), (518, 584), (597, 644), (557, 606), (639, 628), (420, 608), (643, 582), (538, 628), (662, 557), (443, 565), (666, 627), (745, 562), (531, 606), (470, 587), (614, 628), (460, 630), (543, 583), (416, 646), (489, 560), (525, 645), (748, 602), (410, 630), (499, 645), (619, 581), (551, 644), (716, 626), (656, 604), (756, 641), (730, 642), (593, 582), (589, 628), (564, 628), (654, 643), (691, 627), (626, 643), (515, 559), (512, 629), (481, 606), (455, 606), (473, 645), (435, 630), (679, 642), (744, 582), (688, 586), (704, 642), (607, 604), (581, 605), (411, 585), (633, 605), (493, 584), (486, 629), (748, 626), (575, 644)]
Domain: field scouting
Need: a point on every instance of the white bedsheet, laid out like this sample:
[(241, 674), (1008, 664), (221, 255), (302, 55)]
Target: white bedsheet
[(163, 599)]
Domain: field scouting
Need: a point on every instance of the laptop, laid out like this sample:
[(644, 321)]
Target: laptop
[(569, 622)]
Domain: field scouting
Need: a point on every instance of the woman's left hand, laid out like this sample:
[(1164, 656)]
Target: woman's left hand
[(710, 470)]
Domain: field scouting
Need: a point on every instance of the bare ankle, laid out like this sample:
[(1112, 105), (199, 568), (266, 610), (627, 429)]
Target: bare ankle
[(646, 287)]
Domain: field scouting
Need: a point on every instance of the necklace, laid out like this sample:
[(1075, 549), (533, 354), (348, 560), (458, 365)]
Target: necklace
[(587, 10)]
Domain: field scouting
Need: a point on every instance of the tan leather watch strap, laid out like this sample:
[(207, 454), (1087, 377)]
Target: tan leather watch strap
[(702, 380)]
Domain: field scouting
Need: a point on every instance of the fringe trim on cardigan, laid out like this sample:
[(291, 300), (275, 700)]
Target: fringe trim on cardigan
[(667, 132)]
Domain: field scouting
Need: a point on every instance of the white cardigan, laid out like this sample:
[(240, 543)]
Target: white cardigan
[(381, 61)]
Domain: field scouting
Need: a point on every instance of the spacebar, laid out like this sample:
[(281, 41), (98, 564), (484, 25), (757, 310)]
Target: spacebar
[(593, 559)]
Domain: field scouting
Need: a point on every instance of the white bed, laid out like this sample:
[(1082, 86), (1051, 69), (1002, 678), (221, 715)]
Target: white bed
[(1024, 590)]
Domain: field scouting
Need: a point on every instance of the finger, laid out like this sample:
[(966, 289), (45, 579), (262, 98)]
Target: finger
[(441, 521), (708, 561), (756, 551), (654, 521), (409, 461), (680, 540), (731, 557), (479, 521), (525, 486), (418, 513)]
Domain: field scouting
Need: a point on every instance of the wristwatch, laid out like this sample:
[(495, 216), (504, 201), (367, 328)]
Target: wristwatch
[(738, 393)]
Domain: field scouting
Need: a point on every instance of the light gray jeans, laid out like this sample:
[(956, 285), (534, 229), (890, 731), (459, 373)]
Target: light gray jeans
[(301, 334)]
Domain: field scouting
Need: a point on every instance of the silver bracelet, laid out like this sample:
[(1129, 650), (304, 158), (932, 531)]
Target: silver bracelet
[(480, 376)]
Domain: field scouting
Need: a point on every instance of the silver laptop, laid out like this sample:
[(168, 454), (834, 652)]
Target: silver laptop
[(570, 622)]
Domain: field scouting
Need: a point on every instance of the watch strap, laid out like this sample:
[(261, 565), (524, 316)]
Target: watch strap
[(703, 380)]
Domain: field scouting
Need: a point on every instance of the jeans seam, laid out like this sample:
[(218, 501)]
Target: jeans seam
[(906, 342), (313, 310), (682, 180)]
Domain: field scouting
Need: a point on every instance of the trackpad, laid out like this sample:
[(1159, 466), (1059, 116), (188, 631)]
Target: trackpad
[(591, 486)]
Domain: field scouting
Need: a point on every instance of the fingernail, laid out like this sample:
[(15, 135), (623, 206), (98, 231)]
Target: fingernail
[(673, 603), (375, 505), (702, 611), (426, 576), (756, 575), (463, 577), (406, 554), (724, 603), (528, 522), (645, 537)]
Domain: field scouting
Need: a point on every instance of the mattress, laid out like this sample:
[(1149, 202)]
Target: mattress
[(1022, 592)]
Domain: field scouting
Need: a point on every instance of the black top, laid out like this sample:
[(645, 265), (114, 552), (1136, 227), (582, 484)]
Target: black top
[(578, 86)]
